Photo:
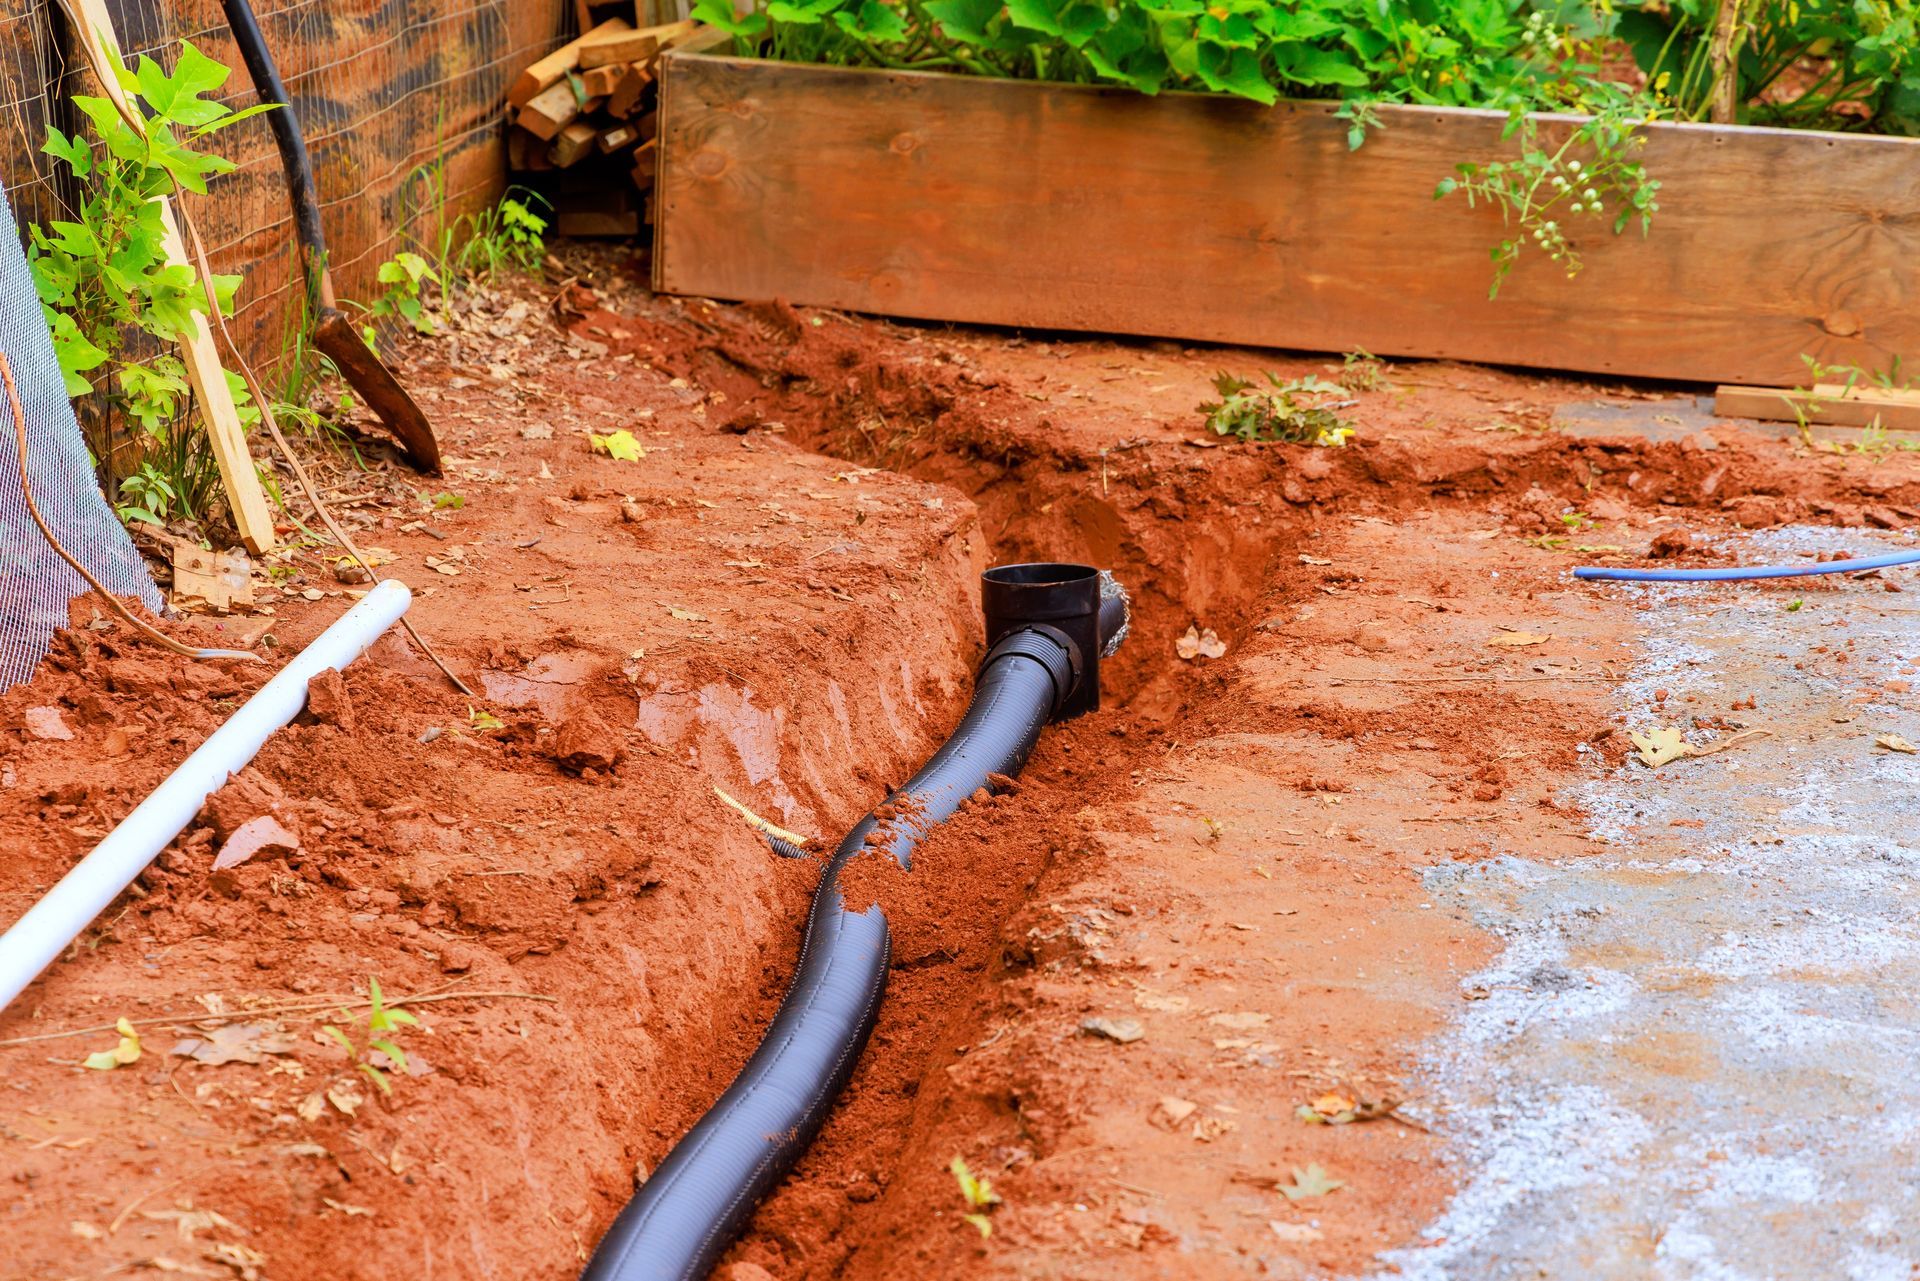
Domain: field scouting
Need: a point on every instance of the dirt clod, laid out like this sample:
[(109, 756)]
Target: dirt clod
[(586, 742), (328, 702)]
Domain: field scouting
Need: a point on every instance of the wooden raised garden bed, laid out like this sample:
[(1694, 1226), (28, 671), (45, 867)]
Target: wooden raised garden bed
[(1212, 219)]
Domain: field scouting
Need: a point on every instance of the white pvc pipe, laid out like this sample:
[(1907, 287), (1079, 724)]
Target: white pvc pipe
[(96, 880)]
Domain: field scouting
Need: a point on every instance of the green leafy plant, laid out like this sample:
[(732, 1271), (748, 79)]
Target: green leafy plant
[(1361, 370), (977, 1193), (1301, 411), (383, 1024), (403, 279), (112, 300), (1827, 64), (510, 235)]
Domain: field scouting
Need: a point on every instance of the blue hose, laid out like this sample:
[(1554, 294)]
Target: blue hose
[(1739, 574)]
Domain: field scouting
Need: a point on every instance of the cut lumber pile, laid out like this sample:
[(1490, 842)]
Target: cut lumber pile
[(582, 121)]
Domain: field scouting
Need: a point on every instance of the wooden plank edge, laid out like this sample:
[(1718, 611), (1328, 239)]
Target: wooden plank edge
[(705, 45), (1831, 407)]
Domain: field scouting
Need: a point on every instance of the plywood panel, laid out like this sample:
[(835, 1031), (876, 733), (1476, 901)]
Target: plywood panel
[(1188, 216)]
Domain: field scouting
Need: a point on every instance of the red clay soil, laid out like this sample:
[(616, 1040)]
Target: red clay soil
[(1226, 854)]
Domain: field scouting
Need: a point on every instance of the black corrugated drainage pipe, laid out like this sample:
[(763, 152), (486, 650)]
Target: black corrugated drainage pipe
[(1048, 626)]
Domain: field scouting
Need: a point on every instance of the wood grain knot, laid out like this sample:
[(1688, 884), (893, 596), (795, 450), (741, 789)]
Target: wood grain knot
[(904, 143), (707, 163), (1842, 324)]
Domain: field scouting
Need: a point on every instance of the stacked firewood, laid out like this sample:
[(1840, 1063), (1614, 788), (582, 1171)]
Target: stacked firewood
[(582, 126)]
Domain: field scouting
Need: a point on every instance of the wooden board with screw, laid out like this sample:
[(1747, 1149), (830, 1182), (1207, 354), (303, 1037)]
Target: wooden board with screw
[(1056, 206)]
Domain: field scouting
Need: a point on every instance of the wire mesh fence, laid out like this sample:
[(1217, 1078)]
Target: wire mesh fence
[(401, 102), (402, 105)]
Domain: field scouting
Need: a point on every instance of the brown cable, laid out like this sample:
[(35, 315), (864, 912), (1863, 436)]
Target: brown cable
[(113, 602)]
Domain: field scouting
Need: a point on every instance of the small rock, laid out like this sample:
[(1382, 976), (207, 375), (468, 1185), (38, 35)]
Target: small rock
[(262, 835), (46, 722), (537, 431), (327, 700), (632, 513), (1124, 1030), (747, 1272)]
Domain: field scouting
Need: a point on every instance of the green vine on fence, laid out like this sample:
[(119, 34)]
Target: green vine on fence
[(104, 282)]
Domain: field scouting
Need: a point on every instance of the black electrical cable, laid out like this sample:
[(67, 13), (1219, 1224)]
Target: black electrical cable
[(686, 1215)]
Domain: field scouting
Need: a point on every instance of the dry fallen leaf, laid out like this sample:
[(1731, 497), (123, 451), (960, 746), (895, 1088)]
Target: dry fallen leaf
[(686, 615), (1312, 1181), (1514, 640), (1658, 746), (1199, 644), (1895, 743), (1243, 1021), (1209, 1128), (1314, 560), (237, 1043), (346, 1097), (619, 445)]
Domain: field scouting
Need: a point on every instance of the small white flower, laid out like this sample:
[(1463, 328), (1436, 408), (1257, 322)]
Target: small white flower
[(1573, 166), (1591, 195)]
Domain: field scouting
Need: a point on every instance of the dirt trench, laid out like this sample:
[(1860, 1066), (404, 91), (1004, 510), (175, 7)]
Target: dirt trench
[(1337, 581), (606, 939)]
